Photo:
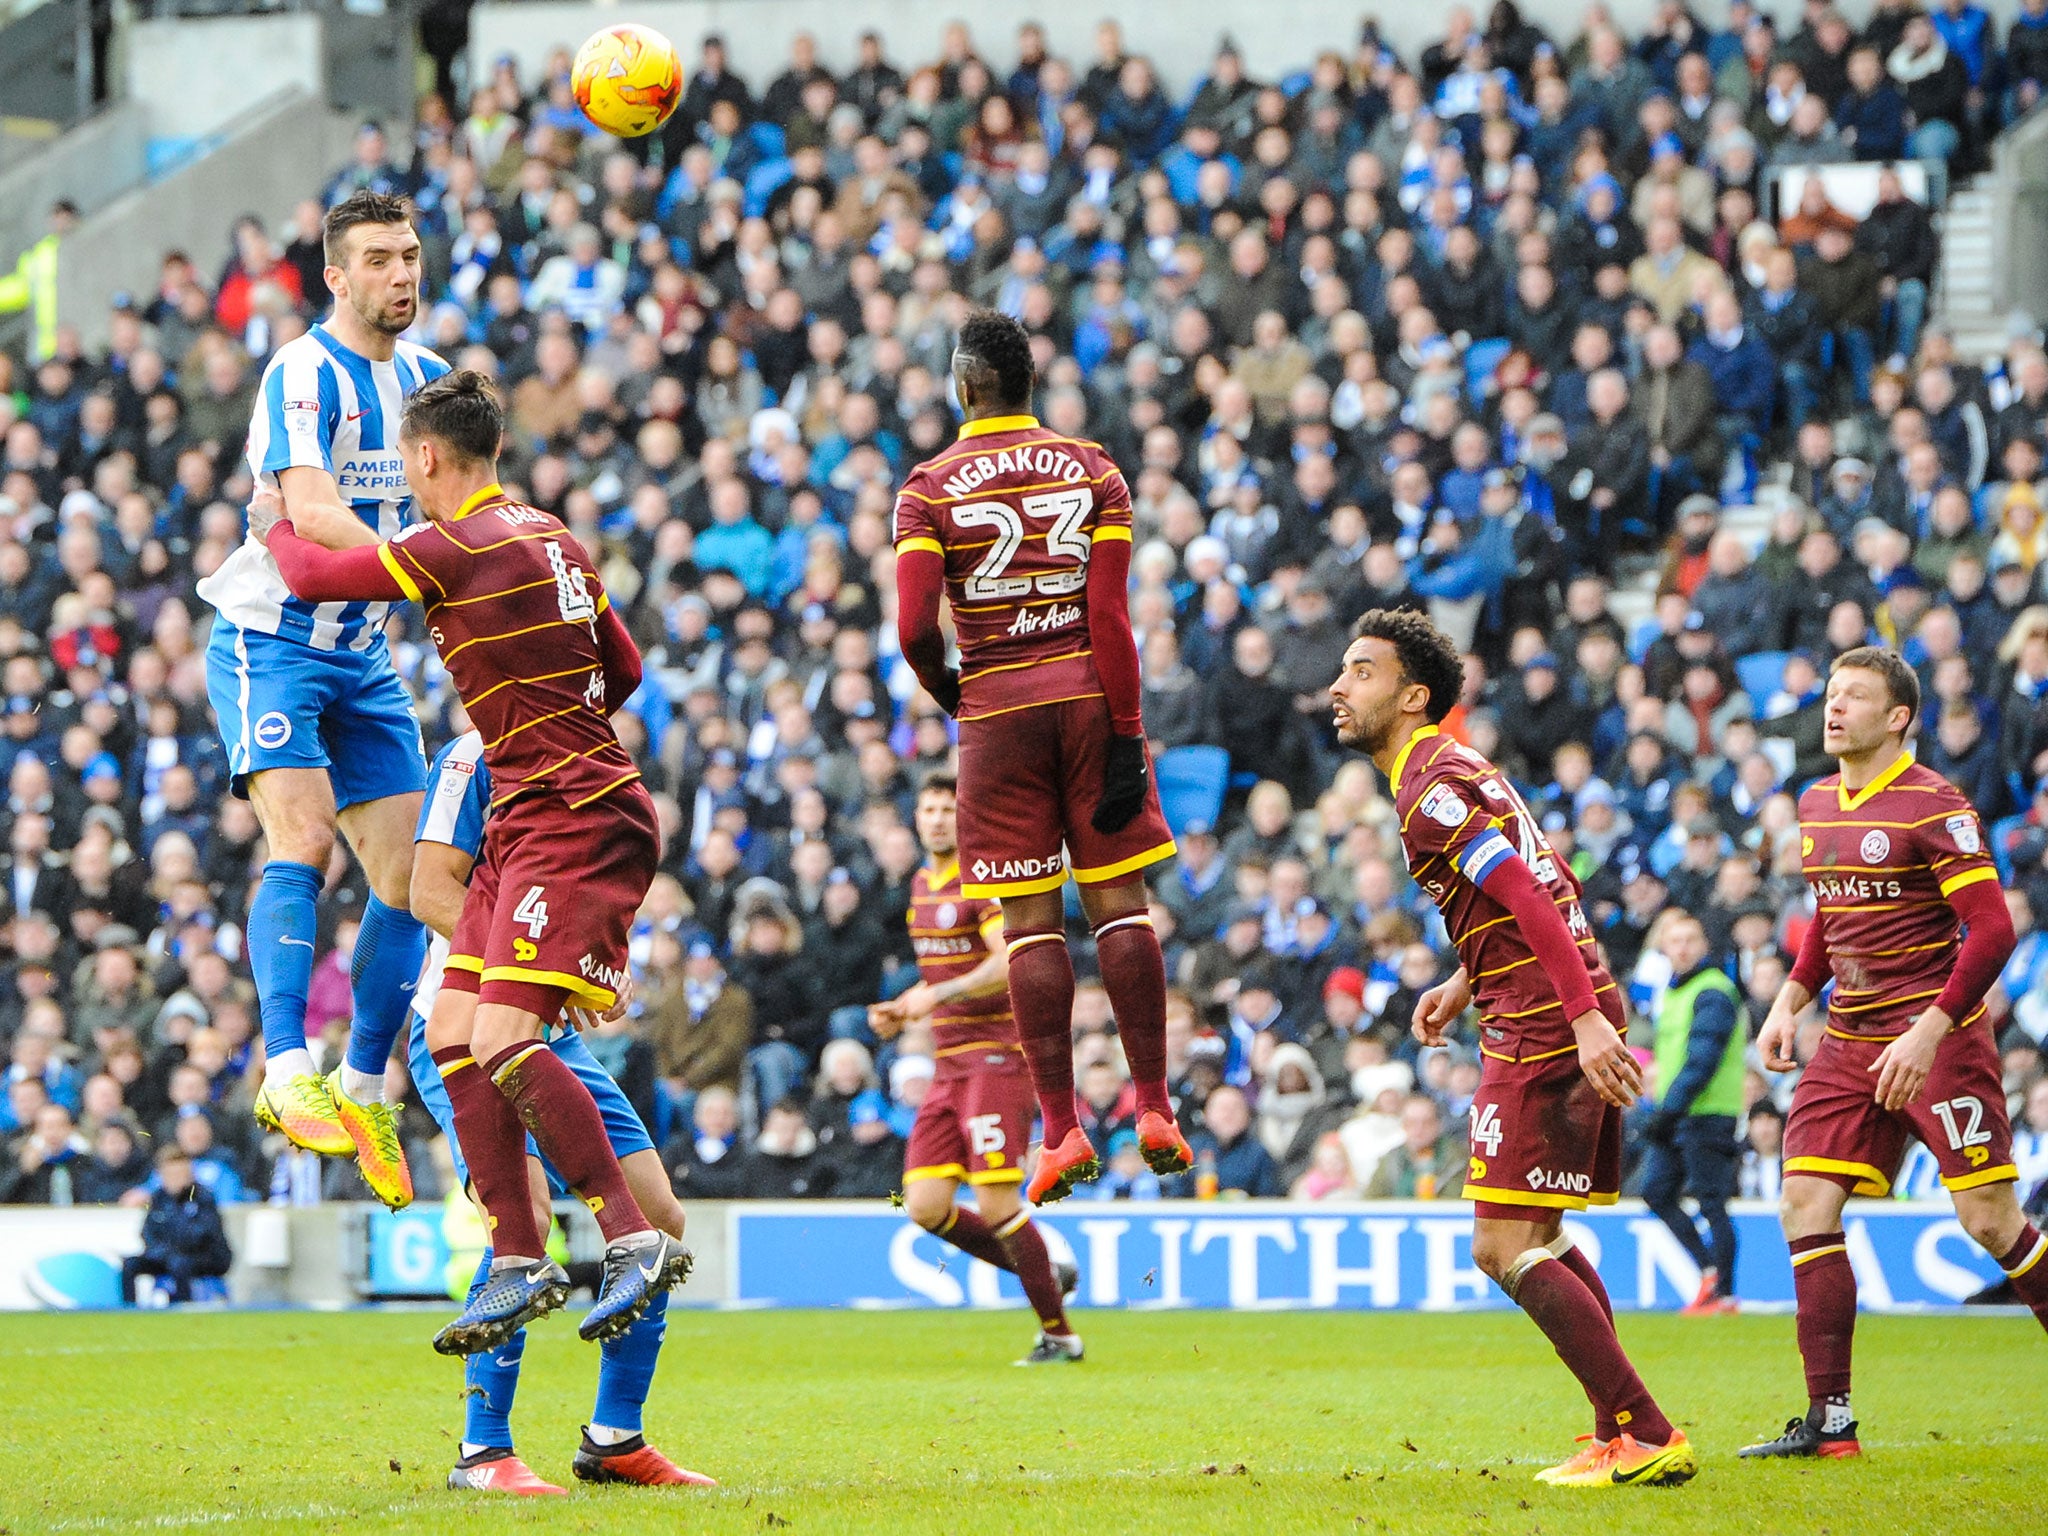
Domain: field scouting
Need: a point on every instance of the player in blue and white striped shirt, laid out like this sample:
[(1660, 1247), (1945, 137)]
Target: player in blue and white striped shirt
[(319, 731)]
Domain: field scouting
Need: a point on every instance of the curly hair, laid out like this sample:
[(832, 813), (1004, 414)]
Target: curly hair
[(1000, 345), (1426, 654)]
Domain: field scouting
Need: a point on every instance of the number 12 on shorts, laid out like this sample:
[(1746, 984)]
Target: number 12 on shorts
[(1971, 1136)]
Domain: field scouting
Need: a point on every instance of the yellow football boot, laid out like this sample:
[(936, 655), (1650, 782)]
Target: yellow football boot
[(302, 1111), (1625, 1462), (372, 1130), (1590, 1451)]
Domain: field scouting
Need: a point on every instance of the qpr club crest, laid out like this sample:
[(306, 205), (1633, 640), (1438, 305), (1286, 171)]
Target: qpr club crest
[(1442, 805), (1964, 830), (1875, 846)]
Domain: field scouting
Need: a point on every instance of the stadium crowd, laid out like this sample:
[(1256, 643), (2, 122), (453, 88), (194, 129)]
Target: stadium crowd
[(1484, 331)]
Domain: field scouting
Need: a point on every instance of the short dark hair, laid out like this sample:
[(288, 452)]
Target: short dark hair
[(459, 409), (1002, 347), (171, 1154), (356, 209), (939, 783), (1426, 654), (1901, 683)]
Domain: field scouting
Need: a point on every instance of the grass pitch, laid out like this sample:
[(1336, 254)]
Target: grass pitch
[(916, 1422)]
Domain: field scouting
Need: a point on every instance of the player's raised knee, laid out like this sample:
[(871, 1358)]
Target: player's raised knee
[(1807, 1206), (1495, 1253), (1991, 1215), (928, 1202)]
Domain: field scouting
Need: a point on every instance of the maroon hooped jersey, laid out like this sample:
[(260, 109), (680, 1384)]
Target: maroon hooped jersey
[(1882, 864), (512, 602), (952, 933), (1015, 510), (1460, 819)]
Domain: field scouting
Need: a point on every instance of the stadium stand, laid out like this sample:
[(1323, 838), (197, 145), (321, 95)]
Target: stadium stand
[(1517, 330)]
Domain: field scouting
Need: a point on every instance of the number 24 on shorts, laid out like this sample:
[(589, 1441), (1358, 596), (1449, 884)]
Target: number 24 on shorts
[(531, 914), (1486, 1131)]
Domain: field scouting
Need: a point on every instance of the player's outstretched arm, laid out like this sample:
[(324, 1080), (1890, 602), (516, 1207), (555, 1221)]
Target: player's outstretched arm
[(312, 500), (1802, 984), (440, 882), (1903, 1067), (920, 581), (623, 668), (1116, 668), (1613, 1072), (318, 575)]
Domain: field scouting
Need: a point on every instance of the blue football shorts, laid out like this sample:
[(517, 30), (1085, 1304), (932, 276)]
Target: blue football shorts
[(281, 704)]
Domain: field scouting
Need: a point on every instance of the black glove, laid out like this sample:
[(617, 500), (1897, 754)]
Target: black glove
[(946, 694), (1662, 1127), (1123, 785)]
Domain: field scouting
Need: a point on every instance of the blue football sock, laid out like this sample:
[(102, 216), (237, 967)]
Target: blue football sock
[(284, 920), (390, 949), (626, 1368), (489, 1380)]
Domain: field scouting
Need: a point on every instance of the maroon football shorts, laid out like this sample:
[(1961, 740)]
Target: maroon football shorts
[(975, 1125), (552, 901), (1837, 1130), (1030, 781), (1542, 1139)]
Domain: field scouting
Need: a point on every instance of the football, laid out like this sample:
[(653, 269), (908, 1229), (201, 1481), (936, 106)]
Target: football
[(627, 80)]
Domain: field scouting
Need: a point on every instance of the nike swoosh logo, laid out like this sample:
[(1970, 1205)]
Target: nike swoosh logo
[(503, 1364), (650, 1273), (359, 415), (535, 1276), (300, 942)]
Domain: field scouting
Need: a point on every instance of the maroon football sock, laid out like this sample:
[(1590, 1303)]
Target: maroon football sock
[(1558, 1302), (1134, 976), (1042, 996), (965, 1230), (2026, 1265), (1030, 1263), (1826, 1288), (564, 1120), (1575, 1261), (494, 1145)]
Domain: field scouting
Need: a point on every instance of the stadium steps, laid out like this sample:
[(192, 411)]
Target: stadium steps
[(1965, 292)]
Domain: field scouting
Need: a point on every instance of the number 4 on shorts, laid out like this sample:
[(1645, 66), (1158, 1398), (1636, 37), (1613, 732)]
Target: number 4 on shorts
[(1486, 1131), (532, 913)]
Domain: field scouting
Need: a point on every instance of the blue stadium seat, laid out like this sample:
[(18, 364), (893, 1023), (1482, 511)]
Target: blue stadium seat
[(2004, 833), (1642, 638), (761, 185), (1761, 674), (1481, 358), (1192, 781)]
